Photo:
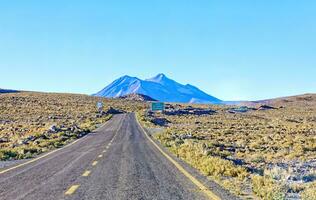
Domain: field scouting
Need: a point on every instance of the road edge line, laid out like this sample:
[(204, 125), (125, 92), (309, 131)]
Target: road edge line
[(202, 187), (38, 158)]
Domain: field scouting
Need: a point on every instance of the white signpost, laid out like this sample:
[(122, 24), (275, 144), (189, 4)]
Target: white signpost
[(100, 106)]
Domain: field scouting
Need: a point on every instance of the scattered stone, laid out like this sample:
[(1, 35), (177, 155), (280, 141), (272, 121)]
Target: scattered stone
[(74, 128), (266, 107), (4, 140), (23, 142), (37, 142), (293, 172), (242, 109), (186, 136), (53, 129), (52, 117), (188, 111), (160, 121), (31, 138)]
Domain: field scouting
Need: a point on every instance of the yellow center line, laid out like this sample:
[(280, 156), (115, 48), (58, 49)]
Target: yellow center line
[(72, 189), (86, 173), (94, 163)]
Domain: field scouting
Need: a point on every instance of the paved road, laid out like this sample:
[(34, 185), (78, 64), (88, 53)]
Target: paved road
[(115, 162)]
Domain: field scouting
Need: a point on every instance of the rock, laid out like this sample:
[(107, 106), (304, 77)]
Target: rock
[(160, 121), (44, 136), (4, 140), (98, 115), (23, 141), (52, 117), (31, 138), (53, 129), (189, 111), (27, 140), (37, 142), (81, 134), (74, 128), (186, 136), (266, 107)]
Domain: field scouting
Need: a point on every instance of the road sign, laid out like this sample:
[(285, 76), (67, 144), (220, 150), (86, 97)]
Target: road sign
[(157, 106), (100, 106)]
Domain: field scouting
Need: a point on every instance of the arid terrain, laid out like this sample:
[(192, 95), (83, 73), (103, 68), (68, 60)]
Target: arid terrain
[(32, 123), (258, 150), (265, 151)]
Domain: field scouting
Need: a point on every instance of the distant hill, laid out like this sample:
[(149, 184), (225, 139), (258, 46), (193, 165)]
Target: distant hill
[(7, 91), (137, 97), (298, 100), (159, 87)]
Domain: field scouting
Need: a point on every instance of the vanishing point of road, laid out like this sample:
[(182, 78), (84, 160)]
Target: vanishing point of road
[(116, 162)]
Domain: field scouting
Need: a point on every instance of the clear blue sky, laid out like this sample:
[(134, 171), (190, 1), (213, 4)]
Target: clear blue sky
[(245, 49)]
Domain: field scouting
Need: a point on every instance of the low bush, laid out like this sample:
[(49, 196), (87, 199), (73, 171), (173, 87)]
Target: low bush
[(310, 192), (266, 188)]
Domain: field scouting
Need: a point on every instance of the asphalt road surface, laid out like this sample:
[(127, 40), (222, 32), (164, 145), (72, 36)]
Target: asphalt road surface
[(115, 162)]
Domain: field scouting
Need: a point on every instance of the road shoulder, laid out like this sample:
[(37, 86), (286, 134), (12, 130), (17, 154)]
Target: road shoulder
[(215, 190)]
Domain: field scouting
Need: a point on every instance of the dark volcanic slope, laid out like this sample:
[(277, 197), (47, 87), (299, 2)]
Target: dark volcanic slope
[(7, 91), (129, 167), (137, 97)]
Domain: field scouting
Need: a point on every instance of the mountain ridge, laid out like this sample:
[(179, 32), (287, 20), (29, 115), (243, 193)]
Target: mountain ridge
[(159, 87)]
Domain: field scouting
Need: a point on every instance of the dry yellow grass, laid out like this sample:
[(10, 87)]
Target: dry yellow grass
[(266, 150)]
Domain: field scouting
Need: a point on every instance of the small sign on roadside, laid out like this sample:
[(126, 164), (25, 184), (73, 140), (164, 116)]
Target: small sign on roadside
[(157, 106), (100, 106)]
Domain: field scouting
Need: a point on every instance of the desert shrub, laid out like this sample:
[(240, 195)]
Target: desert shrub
[(6, 154), (209, 165), (19, 153), (257, 158), (296, 187), (266, 188), (309, 193), (276, 173), (234, 185)]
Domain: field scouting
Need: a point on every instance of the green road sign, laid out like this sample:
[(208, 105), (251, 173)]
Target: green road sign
[(157, 106)]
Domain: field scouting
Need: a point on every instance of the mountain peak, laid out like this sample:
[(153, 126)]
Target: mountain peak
[(161, 75), (126, 77), (158, 78)]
